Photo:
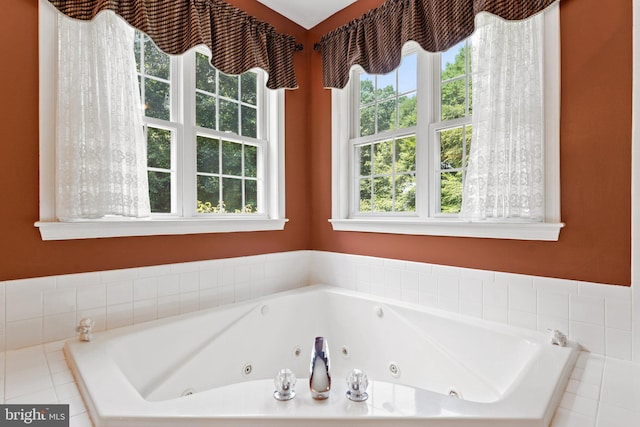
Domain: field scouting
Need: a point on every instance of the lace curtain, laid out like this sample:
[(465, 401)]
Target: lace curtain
[(100, 145), (505, 176)]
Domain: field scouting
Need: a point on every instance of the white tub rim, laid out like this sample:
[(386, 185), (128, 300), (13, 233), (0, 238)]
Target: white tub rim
[(104, 406)]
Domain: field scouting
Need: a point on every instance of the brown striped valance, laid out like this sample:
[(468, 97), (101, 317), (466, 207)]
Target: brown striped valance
[(374, 41), (238, 42)]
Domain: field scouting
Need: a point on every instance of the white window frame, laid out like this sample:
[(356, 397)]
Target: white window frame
[(188, 222), (426, 222)]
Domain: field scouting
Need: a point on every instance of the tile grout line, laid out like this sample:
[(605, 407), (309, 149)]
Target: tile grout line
[(601, 387)]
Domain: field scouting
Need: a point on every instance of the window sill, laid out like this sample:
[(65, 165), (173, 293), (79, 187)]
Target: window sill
[(452, 228), (118, 228)]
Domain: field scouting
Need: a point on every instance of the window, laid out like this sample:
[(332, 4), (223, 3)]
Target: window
[(385, 143), (401, 145), (215, 146)]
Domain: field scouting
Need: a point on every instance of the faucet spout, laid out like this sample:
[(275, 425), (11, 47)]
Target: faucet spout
[(319, 378)]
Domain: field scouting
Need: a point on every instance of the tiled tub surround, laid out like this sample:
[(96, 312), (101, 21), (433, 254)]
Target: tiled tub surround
[(42, 310), (602, 392), (597, 316), (47, 309)]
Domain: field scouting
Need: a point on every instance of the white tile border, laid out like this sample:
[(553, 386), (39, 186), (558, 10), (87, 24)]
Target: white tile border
[(41, 310), (598, 316)]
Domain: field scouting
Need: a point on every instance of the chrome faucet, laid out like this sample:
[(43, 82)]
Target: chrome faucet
[(319, 378)]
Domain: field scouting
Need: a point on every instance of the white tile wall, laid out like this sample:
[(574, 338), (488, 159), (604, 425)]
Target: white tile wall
[(597, 316), (600, 317), (42, 310)]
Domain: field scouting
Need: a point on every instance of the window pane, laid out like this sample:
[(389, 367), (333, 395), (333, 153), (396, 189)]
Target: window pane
[(367, 120), (382, 194), (406, 154), (205, 74), (453, 99), (365, 195), (157, 99), (229, 86), (367, 89), (386, 86), (156, 63), (205, 111), (250, 161), (158, 148), (159, 191), (408, 110), (228, 116), (251, 196), (249, 83), (231, 158), (467, 135), (407, 74), (208, 155), (387, 115), (232, 194), (405, 193), (136, 49), (208, 194), (451, 148), (453, 61), (382, 158), (249, 122), (364, 154), (470, 95), (450, 192)]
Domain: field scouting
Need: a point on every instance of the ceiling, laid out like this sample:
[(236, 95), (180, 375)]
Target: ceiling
[(307, 13)]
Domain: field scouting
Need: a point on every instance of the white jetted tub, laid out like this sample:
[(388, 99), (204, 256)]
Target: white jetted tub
[(216, 367)]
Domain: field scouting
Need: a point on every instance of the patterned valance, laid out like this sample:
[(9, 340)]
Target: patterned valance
[(238, 42), (374, 41)]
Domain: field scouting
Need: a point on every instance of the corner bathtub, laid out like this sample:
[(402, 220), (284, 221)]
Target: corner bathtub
[(216, 367)]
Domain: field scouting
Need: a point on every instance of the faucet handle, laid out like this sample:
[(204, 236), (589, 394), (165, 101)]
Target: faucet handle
[(285, 381), (84, 328), (357, 384), (558, 338)]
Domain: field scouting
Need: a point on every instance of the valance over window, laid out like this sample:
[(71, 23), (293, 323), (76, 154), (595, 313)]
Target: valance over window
[(238, 42), (374, 41)]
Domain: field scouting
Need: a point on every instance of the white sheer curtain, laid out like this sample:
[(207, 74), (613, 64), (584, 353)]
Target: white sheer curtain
[(505, 176), (100, 145)]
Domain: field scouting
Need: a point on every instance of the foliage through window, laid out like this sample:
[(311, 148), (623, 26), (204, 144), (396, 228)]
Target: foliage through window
[(384, 144), (229, 145)]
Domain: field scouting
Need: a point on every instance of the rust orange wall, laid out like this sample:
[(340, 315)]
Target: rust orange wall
[(595, 166), (23, 254), (595, 160)]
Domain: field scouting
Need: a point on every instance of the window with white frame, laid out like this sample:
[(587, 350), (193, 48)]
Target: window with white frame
[(229, 134), (214, 146), (401, 145)]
